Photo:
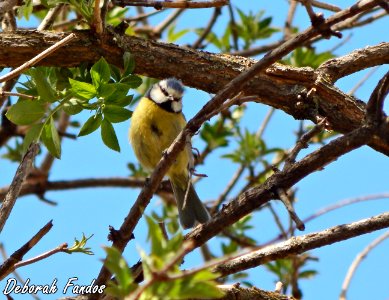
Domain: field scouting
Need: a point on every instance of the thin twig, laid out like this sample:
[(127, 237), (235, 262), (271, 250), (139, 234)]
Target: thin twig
[(258, 50), (362, 81), (50, 17), (61, 248), (289, 207), (97, 22), (41, 187), (169, 20), (322, 5), (16, 185), (207, 29), (303, 143), (241, 168), (159, 4), (8, 266), (233, 27), (341, 43), (289, 19), (37, 58), (15, 273), (265, 123), (284, 234), (104, 12), (231, 184), (144, 16), (9, 21), (141, 11), (7, 94), (332, 207), (358, 259), (370, 19)]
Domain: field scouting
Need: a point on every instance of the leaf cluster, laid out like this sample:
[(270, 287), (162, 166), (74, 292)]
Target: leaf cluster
[(102, 89), (171, 283)]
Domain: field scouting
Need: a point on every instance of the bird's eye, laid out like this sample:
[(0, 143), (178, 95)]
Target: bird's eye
[(163, 91)]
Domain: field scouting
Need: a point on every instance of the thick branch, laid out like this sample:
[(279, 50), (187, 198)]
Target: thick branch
[(301, 244), (339, 67), (278, 87), (257, 196), (235, 292)]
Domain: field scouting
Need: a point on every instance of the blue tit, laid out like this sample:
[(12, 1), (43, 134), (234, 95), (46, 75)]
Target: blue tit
[(155, 123)]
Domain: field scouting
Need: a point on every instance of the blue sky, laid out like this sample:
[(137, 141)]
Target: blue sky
[(91, 211)]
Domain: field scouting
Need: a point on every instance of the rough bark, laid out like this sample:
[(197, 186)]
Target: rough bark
[(282, 87)]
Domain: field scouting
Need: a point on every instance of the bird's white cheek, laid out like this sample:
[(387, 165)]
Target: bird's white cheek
[(157, 96), (177, 106)]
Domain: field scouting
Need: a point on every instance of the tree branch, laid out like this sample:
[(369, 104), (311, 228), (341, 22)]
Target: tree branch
[(39, 188), (257, 196), (278, 87), (301, 244), (159, 4), (16, 185), (358, 259), (353, 140), (37, 58), (367, 57), (9, 265)]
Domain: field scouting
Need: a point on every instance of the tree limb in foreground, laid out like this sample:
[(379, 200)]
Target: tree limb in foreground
[(301, 244), (282, 87)]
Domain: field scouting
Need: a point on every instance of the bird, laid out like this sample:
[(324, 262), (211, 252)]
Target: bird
[(155, 123)]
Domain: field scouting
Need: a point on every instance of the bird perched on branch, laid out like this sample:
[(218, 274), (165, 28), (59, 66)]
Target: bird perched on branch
[(155, 123)]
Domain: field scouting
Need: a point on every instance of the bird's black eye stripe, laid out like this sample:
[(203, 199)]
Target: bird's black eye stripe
[(163, 90)]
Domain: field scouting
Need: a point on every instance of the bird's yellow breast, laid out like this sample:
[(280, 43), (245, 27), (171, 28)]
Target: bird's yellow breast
[(152, 131)]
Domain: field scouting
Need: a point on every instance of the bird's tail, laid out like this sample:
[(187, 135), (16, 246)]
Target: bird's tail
[(190, 207)]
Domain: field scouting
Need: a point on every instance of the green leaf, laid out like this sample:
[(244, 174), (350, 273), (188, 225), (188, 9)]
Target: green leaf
[(25, 10), (173, 36), (72, 107), (307, 274), (100, 72), (25, 112), (156, 237), (32, 135), (79, 246), (121, 91), (129, 63), (106, 89), (124, 101), (91, 125), (50, 138), (62, 78), (116, 264), (108, 135), (133, 81), (83, 89), (115, 72), (45, 90), (304, 57), (116, 114), (15, 153)]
